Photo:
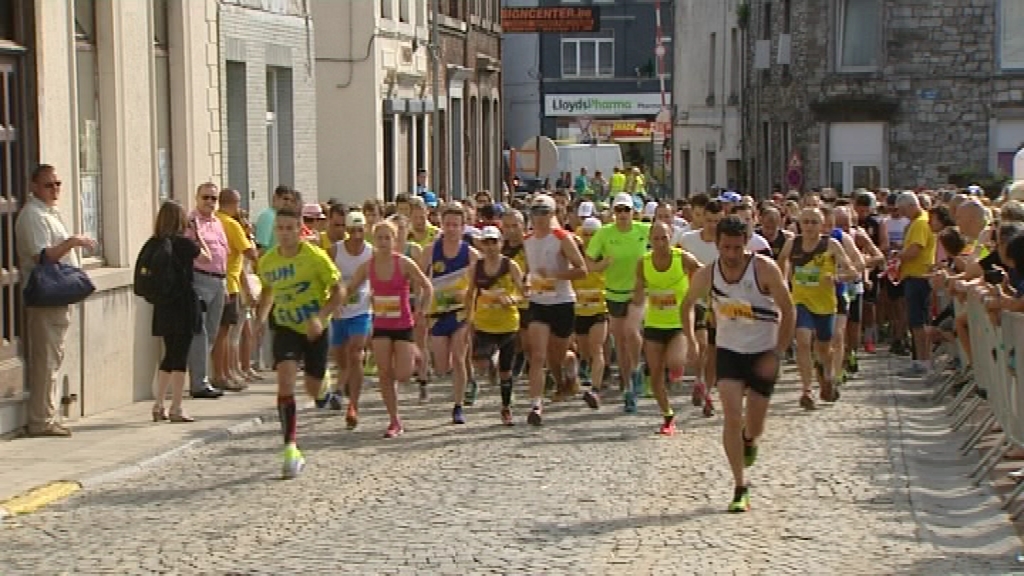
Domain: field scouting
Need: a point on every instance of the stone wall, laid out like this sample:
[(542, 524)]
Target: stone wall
[(939, 87)]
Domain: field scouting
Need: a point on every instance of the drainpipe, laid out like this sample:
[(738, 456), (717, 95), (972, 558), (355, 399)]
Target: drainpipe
[(435, 120)]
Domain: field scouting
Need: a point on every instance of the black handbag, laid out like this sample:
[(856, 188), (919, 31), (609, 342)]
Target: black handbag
[(56, 284)]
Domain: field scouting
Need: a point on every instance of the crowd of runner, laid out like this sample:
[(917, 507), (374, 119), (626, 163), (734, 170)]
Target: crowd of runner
[(612, 302)]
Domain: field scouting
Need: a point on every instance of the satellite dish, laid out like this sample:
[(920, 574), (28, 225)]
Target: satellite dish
[(545, 161)]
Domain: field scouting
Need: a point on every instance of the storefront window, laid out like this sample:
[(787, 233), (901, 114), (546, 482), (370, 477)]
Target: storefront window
[(90, 183)]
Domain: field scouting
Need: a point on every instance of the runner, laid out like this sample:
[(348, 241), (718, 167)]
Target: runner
[(389, 274), (663, 278), (419, 331), (352, 325), (591, 318), (448, 263), (749, 295), (816, 262), (553, 261), (865, 206), (623, 243), (513, 227), (496, 290), (302, 283)]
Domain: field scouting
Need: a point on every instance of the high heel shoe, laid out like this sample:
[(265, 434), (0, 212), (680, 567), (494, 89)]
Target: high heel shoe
[(181, 417), (159, 413)]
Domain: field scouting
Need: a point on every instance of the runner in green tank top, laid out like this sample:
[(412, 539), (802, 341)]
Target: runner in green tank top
[(663, 278), (623, 243)]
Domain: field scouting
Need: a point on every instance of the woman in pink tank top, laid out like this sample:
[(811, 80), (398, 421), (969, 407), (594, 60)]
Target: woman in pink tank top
[(394, 349)]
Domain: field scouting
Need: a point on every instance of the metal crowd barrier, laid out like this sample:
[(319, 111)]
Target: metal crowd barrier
[(989, 383)]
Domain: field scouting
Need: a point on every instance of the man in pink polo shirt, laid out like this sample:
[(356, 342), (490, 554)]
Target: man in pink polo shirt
[(210, 284)]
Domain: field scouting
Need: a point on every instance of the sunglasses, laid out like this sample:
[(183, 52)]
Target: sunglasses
[(52, 185), (540, 210), (622, 209), (209, 198)]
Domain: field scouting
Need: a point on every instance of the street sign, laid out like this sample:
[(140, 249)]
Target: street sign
[(552, 19), (540, 156)]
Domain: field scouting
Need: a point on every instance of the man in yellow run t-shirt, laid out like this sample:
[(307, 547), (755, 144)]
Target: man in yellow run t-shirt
[(916, 261), (302, 284)]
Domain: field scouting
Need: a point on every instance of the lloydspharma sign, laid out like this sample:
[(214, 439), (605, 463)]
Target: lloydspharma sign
[(603, 104)]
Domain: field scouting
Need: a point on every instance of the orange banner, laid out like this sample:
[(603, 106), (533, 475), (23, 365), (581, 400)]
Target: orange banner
[(613, 129)]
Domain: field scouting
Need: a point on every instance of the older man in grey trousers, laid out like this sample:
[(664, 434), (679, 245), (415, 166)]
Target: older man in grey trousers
[(210, 283)]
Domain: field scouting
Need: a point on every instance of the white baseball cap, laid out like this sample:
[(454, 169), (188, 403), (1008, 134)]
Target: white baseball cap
[(490, 233), (585, 210), (622, 199), (650, 209), (591, 225), (543, 201), (355, 220)]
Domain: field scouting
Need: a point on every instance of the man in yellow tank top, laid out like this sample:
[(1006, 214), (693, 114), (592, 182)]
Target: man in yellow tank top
[(815, 263), (663, 280)]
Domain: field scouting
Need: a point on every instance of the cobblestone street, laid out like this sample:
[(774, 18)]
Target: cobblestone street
[(872, 485)]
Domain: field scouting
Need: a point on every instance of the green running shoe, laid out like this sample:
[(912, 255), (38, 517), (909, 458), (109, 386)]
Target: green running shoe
[(293, 462), (740, 500)]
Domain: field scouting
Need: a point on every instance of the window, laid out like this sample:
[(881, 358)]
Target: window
[(787, 146), (387, 9), (1011, 41), (734, 66), (712, 57), (710, 164), (684, 164), (421, 12), (787, 16), (766, 22), (857, 35), (162, 95), (403, 11), (90, 171), (588, 57)]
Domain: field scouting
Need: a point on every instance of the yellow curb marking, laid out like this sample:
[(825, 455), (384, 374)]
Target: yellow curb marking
[(39, 497)]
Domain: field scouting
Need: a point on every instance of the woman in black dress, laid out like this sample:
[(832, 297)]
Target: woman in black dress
[(178, 319)]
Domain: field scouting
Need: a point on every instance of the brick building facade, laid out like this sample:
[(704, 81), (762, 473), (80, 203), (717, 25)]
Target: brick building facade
[(872, 93)]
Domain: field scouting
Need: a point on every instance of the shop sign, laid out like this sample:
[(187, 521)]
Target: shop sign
[(550, 19), (616, 129), (648, 104)]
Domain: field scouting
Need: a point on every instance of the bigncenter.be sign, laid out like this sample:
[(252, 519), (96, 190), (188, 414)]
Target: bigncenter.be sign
[(603, 104)]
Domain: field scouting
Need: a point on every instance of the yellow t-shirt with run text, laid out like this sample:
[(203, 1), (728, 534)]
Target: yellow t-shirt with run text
[(920, 233), (238, 243), (300, 284)]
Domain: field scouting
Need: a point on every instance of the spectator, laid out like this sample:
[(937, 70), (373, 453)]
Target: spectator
[(210, 284), (40, 231), (283, 197), (916, 261), (225, 352)]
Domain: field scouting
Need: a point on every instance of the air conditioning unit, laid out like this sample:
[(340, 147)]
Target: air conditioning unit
[(785, 49), (762, 54)]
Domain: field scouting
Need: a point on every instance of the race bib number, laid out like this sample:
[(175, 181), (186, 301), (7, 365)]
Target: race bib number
[(543, 285), (662, 300), (589, 298), (736, 310), (387, 307), (447, 299), (491, 299), (807, 276)]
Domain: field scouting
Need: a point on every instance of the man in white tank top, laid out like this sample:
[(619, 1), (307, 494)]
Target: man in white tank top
[(755, 322), (352, 325), (553, 261)]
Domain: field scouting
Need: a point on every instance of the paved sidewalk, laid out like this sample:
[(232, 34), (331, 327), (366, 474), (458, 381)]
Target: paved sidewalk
[(872, 485), (111, 441)]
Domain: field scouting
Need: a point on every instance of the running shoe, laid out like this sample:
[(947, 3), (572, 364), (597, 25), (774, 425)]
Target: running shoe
[(699, 392), (592, 399), (293, 462), (869, 347), (676, 376), (351, 417), (472, 390), (668, 427), (629, 402), (807, 401), (394, 430), (534, 417), (740, 500), (324, 399), (335, 402), (851, 363), (370, 366), (457, 415), (709, 406), (424, 393), (506, 416), (749, 451)]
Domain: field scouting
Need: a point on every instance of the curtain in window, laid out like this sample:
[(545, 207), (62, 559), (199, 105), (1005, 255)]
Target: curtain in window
[(1011, 41), (860, 26)]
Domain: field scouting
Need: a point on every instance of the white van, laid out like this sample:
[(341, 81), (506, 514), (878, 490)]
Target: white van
[(603, 157)]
